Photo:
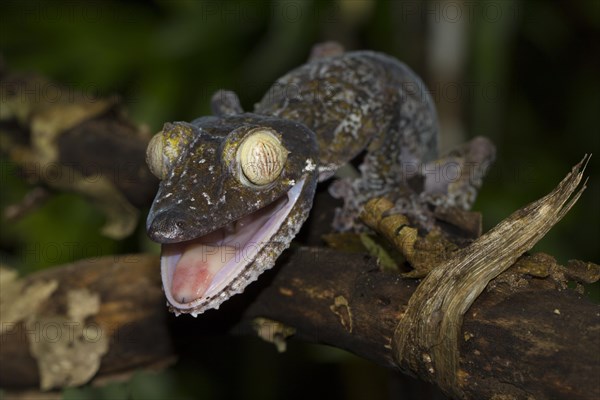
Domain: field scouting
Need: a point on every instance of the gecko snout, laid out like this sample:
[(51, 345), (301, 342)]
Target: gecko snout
[(168, 227)]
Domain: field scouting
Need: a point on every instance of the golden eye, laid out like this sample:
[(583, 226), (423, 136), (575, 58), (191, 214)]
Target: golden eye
[(166, 147), (155, 156), (262, 157)]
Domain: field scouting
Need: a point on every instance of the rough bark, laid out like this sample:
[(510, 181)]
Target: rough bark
[(523, 337), (130, 321)]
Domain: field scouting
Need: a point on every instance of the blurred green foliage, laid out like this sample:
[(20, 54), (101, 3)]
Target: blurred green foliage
[(165, 58)]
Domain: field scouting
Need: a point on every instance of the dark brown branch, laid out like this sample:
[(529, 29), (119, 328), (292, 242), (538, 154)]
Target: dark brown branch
[(525, 339), (521, 339), (64, 140), (131, 319)]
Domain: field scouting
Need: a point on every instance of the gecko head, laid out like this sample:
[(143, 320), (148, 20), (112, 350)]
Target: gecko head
[(234, 191)]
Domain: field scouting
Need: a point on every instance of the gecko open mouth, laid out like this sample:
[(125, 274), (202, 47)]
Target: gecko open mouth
[(197, 270)]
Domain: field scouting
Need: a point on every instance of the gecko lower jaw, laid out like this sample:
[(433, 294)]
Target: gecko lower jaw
[(196, 271)]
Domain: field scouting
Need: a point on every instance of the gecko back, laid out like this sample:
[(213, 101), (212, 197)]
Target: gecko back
[(356, 101)]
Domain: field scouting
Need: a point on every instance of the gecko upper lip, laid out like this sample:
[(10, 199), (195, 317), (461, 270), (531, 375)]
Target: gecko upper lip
[(171, 226), (237, 230)]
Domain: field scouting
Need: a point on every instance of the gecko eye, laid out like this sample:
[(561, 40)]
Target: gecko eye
[(262, 157), (155, 156), (166, 147)]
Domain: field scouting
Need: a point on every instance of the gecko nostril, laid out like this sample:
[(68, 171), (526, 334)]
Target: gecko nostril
[(166, 227)]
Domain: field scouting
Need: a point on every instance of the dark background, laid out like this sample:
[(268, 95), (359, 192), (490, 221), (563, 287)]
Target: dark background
[(525, 74)]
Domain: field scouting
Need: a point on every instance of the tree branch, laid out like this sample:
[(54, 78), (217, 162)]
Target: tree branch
[(532, 338)]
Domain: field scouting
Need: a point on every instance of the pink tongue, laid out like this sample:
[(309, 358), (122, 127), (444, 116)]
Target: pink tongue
[(196, 269)]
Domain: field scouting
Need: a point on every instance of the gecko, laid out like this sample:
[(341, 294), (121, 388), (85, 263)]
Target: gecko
[(236, 187)]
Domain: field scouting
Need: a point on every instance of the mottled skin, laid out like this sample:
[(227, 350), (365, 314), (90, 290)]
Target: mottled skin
[(339, 105), (369, 101), (357, 101), (202, 192)]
